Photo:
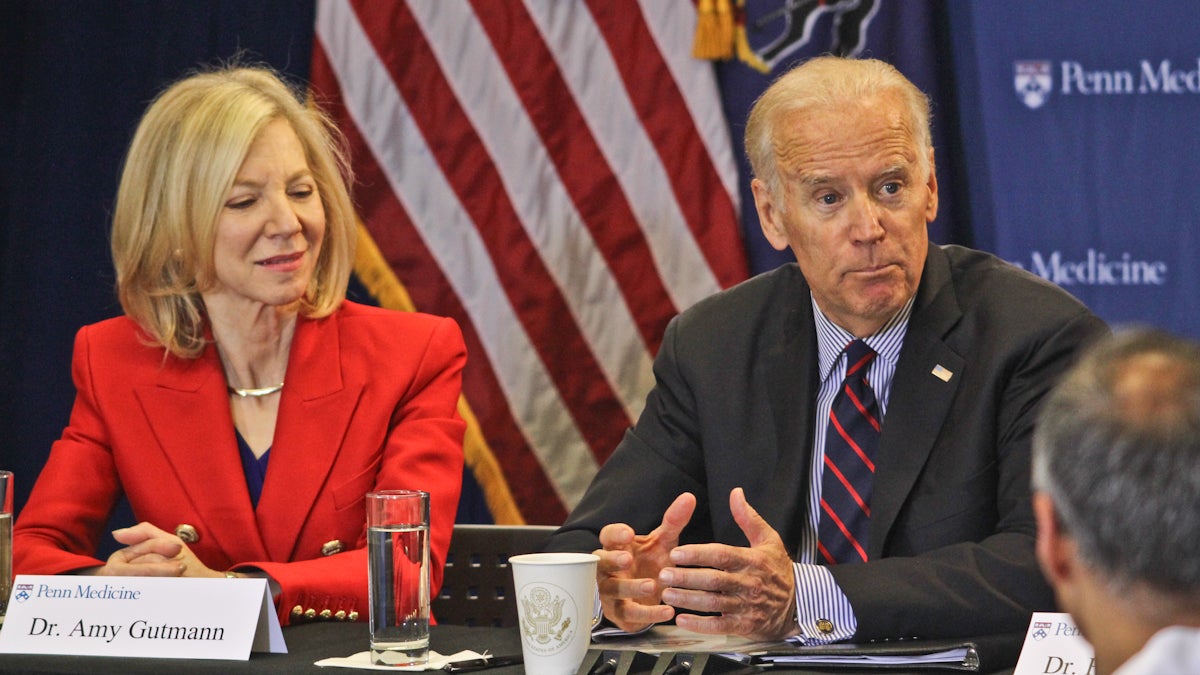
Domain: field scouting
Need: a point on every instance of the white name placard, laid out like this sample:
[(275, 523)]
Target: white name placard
[(1054, 646), (141, 616)]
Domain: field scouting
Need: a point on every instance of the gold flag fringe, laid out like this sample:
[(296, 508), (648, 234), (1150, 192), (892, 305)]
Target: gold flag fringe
[(375, 273)]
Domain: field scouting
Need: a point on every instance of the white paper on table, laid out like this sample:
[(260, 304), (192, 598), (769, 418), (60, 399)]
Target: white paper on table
[(362, 660), (957, 655)]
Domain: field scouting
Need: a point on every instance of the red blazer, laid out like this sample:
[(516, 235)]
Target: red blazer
[(370, 403)]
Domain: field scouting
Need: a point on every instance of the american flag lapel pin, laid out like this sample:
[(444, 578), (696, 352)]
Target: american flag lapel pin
[(942, 373)]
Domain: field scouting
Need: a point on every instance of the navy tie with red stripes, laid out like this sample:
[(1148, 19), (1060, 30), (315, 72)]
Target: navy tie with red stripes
[(850, 445)]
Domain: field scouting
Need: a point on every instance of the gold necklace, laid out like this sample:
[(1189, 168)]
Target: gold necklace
[(255, 393)]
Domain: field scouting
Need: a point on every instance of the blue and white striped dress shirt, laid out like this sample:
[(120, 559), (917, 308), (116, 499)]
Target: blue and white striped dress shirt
[(819, 601)]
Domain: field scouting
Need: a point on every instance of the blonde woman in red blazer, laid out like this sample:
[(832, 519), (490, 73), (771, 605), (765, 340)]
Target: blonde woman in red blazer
[(233, 239)]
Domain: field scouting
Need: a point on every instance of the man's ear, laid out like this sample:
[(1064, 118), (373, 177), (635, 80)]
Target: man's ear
[(1055, 550), (769, 216), (931, 204)]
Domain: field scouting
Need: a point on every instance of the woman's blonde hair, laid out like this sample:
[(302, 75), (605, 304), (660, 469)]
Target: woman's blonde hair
[(180, 167)]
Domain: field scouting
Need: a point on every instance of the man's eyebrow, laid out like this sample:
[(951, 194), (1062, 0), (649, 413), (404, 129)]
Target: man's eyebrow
[(816, 179), (896, 170)]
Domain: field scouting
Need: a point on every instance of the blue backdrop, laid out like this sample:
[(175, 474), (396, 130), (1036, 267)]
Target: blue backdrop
[(1080, 122)]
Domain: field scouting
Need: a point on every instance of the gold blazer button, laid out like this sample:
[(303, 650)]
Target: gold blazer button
[(331, 547), (187, 533)]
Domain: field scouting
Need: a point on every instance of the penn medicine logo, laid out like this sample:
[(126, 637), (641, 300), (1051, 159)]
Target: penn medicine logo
[(1096, 268), (1033, 82), (549, 618)]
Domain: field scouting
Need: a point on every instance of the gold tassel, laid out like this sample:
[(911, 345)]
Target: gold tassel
[(714, 30), (747, 55)]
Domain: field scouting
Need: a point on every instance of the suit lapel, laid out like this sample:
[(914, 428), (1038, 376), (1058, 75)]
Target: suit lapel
[(917, 409), (790, 359), (188, 412), (314, 415)]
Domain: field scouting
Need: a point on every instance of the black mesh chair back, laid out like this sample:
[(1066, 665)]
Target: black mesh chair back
[(477, 588)]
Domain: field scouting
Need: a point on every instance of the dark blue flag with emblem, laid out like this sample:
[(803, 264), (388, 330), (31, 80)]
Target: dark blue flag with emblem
[(754, 41)]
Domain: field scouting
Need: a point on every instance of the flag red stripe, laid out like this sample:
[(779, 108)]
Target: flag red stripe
[(531, 289), (581, 165), (541, 349), (426, 283), (707, 207)]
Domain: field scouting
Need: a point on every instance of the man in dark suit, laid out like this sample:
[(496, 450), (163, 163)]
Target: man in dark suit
[(962, 348)]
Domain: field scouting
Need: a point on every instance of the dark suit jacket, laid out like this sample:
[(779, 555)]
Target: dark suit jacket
[(370, 402), (952, 533)]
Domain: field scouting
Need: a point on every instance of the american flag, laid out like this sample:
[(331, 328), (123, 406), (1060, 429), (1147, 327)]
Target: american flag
[(557, 176)]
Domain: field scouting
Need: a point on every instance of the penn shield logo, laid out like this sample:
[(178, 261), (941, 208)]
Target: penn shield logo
[(1033, 82)]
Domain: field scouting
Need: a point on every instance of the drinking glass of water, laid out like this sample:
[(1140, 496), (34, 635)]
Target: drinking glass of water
[(398, 550), (6, 518)]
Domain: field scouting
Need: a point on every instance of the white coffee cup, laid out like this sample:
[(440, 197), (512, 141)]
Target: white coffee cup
[(556, 597)]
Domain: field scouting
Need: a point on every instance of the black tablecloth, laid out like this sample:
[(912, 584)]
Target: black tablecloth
[(306, 645)]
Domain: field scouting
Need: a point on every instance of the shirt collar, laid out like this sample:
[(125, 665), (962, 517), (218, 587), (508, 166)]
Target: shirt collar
[(832, 338)]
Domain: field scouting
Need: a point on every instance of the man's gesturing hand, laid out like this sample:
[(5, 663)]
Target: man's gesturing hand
[(630, 564), (753, 589)]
